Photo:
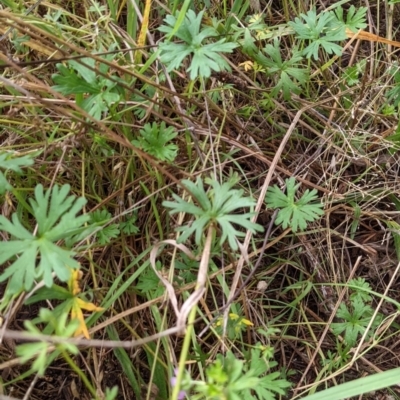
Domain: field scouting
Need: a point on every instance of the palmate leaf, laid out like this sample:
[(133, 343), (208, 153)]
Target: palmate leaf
[(80, 78), (289, 73), (21, 272), (13, 162), (355, 320), (360, 290), (356, 316), (45, 352), (86, 68), (218, 206), (56, 212), (155, 139), (36, 256), (269, 382), (99, 103), (207, 59), (149, 283), (189, 29), (296, 214), (10, 161), (231, 378), (108, 231), (205, 56), (354, 20), (68, 82), (37, 351), (321, 30)]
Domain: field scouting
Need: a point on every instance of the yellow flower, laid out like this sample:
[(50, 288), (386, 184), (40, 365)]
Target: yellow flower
[(247, 65), (234, 317), (242, 320)]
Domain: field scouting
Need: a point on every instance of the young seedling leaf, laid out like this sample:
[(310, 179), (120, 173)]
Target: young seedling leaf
[(293, 213)]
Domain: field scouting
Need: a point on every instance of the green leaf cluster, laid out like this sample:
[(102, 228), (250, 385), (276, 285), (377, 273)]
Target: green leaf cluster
[(94, 93), (35, 254), (289, 73), (357, 315), (320, 31), (206, 57), (154, 139), (41, 351), (109, 231), (217, 206), (294, 213), (10, 162), (335, 360), (324, 29), (230, 378), (149, 283), (355, 19), (351, 74)]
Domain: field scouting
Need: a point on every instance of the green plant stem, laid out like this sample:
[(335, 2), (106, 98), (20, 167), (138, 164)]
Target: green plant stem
[(181, 15), (201, 279), (79, 372), (184, 353), (21, 200)]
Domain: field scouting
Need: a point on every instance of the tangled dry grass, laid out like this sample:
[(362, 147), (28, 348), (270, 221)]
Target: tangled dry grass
[(342, 143)]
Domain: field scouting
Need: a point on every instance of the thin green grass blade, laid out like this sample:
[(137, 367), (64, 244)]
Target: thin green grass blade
[(115, 291), (181, 17), (359, 386), (113, 7), (125, 362), (159, 377), (132, 21), (395, 229), (155, 210), (356, 220), (238, 11)]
